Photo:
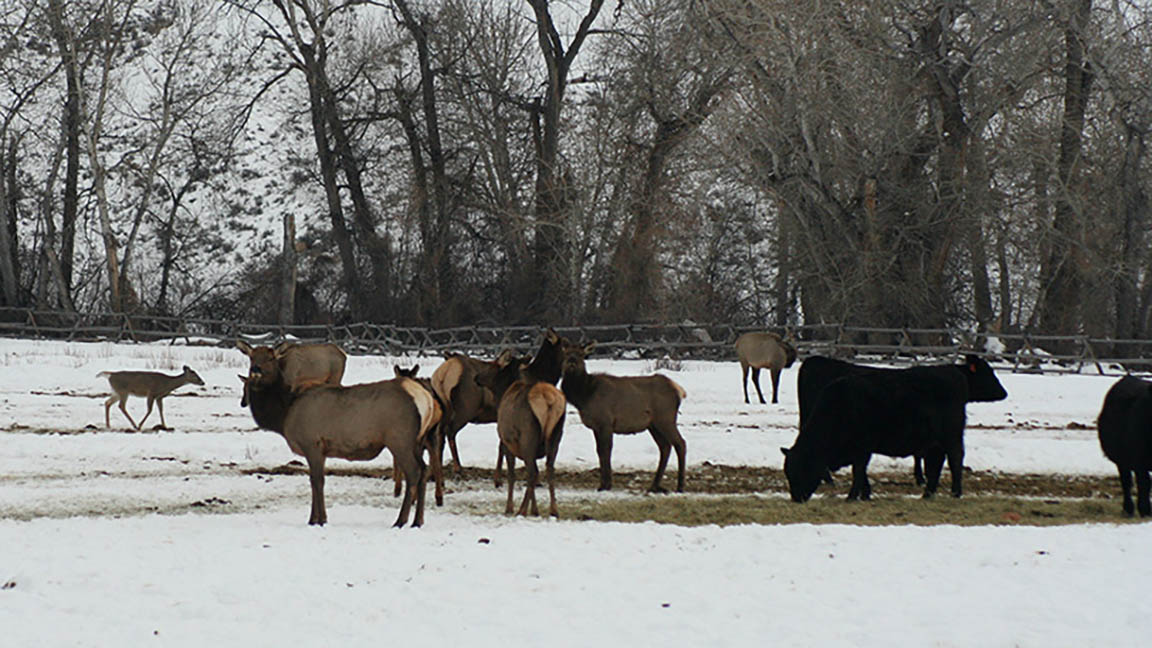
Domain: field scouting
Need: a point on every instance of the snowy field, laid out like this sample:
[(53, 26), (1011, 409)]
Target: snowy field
[(167, 538)]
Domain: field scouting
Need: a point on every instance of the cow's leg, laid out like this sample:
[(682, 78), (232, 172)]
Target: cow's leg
[(756, 381), (933, 464), (604, 451), (956, 468), (744, 372), (665, 449), (775, 374), (860, 487), (917, 469), (1126, 489), (1142, 496)]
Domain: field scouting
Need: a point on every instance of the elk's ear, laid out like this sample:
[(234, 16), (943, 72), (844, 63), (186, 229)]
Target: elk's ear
[(396, 371), (506, 356), (415, 370), (244, 347), (281, 349), (551, 335), (588, 348)]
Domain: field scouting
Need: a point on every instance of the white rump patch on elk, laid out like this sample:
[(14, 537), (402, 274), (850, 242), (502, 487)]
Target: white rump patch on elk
[(425, 405), (547, 405)]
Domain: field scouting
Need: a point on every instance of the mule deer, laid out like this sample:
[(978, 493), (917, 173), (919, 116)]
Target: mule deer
[(353, 423), (149, 384), (530, 421), (612, 405), (763, 351), (301, 365)]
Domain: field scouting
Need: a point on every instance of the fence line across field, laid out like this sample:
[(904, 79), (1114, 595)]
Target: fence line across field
[(1019, 351)]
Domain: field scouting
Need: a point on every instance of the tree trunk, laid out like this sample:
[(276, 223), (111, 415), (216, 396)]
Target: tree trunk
[(65, 43), (1061, 275), (1132, 205), (9, 244), (287, 314)]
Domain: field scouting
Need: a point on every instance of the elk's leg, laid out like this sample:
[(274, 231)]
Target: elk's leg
[(774, 374), (499, 464), (549, 468), (397, 486), (604, 451), (316, 477), (918, 470), (456, 466), (665, 447), (421, 489), (511, 477), (933, 464), (1126, 489), (756, 381), (1143, 485), (744, 372), (123, 400), (436, 455), (412, 466), (681, 448), (529, 502)]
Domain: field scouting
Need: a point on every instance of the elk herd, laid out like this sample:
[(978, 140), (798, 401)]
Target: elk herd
[(848, 412)]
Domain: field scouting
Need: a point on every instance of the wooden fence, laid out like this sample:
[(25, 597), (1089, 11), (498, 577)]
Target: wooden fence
[(1020, 352)]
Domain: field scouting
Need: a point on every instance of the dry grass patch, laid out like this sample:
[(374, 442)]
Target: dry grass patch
[(736, 509)]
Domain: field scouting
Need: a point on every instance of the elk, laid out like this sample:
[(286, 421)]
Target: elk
[(432, 442), (467, 401), (354, 423), (763, 351), (301, 365), (530, 421), (612, 405), (150, 384)]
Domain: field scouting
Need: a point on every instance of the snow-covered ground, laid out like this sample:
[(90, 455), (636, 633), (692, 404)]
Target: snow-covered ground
[(109, 538)]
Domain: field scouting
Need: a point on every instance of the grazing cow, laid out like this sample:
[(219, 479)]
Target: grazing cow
[(763, 351), (1125, 425), (899, 412), (815, 374)]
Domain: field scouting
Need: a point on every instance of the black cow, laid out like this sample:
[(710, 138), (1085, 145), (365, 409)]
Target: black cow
[(896, 412), (815, 374), (1125, 425)]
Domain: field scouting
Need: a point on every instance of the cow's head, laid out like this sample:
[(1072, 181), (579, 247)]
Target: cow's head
[(982, 382), (804, 472)]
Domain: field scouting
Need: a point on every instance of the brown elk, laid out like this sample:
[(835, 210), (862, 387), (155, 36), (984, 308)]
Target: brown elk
[(354, 423), (764, 351), (301, 365), (612, 405), (149, 384), (530, 421), (433, 440), (466, 401)]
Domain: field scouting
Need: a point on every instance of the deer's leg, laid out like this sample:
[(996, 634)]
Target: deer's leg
[(774, 373), (511, 477), (665, 447), (107, 407), (123, 400), (756, 381), (744, 372), (316, 478), (147, 412), (604, 451), (160, 406)]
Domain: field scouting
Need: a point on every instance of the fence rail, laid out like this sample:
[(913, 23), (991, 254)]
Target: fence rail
[(1022, 352)]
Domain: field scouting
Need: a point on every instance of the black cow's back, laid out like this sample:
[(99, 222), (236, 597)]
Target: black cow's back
[(1125, 424)]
